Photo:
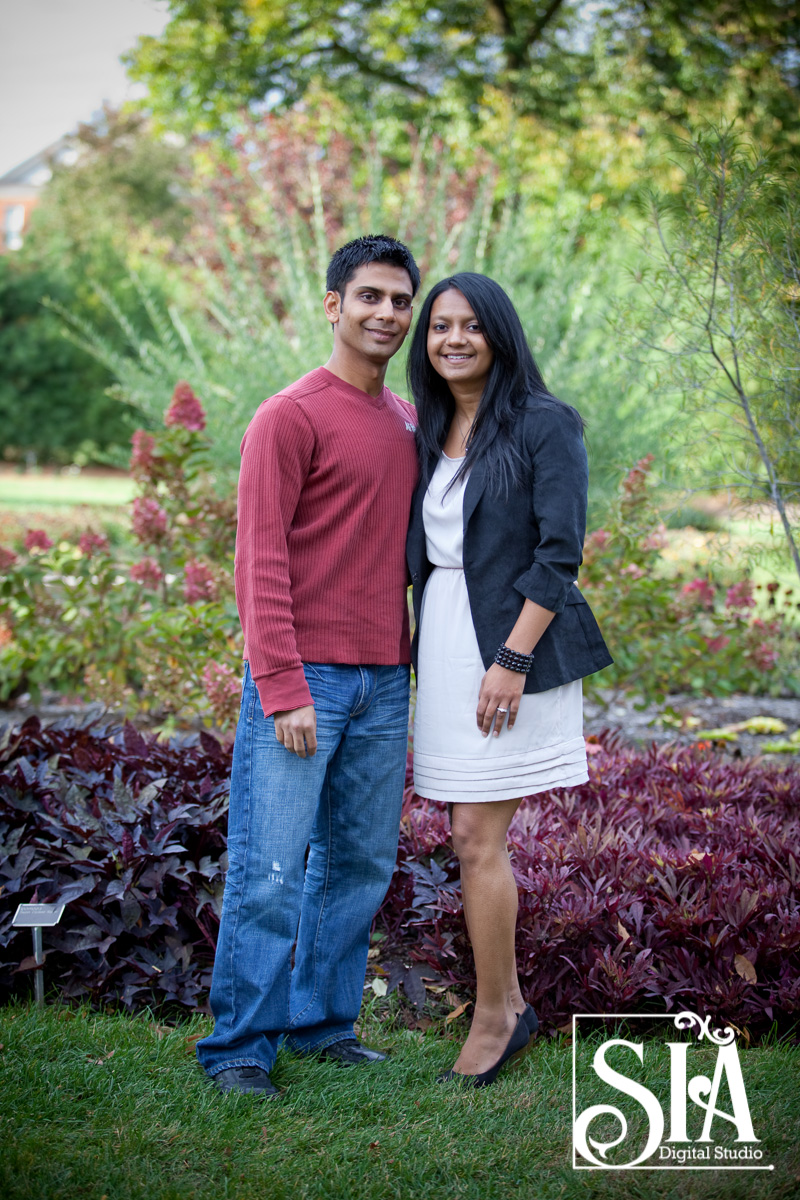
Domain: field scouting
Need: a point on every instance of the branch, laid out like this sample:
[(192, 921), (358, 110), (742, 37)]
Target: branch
[(776, 491), (368, 67), (516, 54), (540, 25)]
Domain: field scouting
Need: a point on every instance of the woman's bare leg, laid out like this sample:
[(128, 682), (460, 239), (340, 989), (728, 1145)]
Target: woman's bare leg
[(515, 997), (490, 908)]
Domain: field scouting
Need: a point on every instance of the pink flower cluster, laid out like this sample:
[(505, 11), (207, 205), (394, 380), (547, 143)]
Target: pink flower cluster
[(656, 540), (36, 540), (93, 543), (199, 583), (594, 545), (222, 687), (185, 409), (740, 595), (714, 645), (142, 457), (634, 482), (701, 590), (765, 657), (7, 558), (148, 573), (149, 521)]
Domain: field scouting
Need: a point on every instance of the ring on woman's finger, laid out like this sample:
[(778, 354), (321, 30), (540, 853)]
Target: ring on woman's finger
[(502, 710)]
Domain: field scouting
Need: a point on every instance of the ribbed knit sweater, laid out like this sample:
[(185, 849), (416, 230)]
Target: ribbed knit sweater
[(324, 497)]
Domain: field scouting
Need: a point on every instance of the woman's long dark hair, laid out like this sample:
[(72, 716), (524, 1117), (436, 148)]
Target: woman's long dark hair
[(513, 378)]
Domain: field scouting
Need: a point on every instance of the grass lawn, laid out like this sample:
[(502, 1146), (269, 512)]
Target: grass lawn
[(63, 504), (35, 489), (747, 543), (114, 1107)]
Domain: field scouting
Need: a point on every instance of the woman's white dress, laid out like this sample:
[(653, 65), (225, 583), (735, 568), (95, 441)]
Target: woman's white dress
[(452, 759)]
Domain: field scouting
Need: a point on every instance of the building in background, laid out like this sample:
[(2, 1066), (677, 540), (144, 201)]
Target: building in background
[(21, 187)]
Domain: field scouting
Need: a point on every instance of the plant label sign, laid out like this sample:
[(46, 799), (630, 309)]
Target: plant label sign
[(660, 1103), (28, 916)]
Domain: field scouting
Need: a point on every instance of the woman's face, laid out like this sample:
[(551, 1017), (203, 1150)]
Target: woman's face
[(456, 346)]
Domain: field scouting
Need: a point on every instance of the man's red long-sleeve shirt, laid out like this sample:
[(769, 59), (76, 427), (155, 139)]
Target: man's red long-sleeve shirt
[(324, 497)]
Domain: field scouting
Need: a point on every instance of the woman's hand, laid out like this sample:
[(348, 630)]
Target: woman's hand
[(500, 689)]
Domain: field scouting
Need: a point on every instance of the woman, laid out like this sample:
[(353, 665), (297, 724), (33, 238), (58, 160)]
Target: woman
[(503, 635)]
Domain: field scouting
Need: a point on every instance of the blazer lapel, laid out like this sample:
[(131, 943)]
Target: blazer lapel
[(474, 490)]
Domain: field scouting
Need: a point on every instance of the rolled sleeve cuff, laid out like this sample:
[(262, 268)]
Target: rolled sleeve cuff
[(544, 587), (283, 690)]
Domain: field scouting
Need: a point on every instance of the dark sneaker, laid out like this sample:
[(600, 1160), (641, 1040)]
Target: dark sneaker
[(252, 1081), (349, 1052)]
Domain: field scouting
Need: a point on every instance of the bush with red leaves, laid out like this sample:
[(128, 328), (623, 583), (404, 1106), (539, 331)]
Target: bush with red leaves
[(131, 834), (670, 880)]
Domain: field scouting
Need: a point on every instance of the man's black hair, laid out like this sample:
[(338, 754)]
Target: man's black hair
[(374, 248)]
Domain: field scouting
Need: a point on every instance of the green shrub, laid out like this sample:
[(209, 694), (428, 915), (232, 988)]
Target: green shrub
[(160, 633), (53, 400), (679, 635)]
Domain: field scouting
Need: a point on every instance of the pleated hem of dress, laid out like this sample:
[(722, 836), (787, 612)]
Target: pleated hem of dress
[(487, 797), (438, 778)]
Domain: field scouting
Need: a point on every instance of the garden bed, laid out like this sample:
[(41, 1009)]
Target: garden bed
[(670, 880), (685, 719)]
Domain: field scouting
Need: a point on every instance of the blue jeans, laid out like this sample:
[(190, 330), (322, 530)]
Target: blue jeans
[(343, 805)]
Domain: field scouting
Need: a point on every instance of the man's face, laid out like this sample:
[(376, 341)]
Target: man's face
[(374, 315)]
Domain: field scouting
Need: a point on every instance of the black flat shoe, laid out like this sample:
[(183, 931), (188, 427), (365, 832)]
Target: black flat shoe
[(350, 1052), (518, 1041), (250, 1081), (530, 1018)]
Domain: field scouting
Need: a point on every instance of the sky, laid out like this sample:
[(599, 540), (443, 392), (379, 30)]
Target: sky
[(59, 60)]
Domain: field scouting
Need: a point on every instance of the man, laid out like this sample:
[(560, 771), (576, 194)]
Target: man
[(328, 469)]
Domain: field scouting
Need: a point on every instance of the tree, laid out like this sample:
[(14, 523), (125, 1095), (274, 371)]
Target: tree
[(53, 400), (96, 217), (122, 191), (272, 209), (559, 59), (721, 317)]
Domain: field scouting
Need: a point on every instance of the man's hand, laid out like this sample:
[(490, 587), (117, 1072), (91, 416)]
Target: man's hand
[(296, 730)]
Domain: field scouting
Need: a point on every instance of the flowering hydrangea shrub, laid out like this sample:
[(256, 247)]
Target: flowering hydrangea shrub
[(185, 410), (700, 592), (144, 464), (677, 636), (199, 582), (149, 521), (93, 543), (134, 634), (36, 541), (223, 687), (143, 634), (148, 573)]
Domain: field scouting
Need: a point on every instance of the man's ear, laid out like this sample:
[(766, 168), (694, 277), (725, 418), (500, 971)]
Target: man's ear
[(333, 306)]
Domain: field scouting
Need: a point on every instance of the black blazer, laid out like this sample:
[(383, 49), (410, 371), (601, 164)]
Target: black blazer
[(529, 545)]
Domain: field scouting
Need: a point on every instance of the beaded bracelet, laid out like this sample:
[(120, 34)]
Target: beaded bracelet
[(512, 660)]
